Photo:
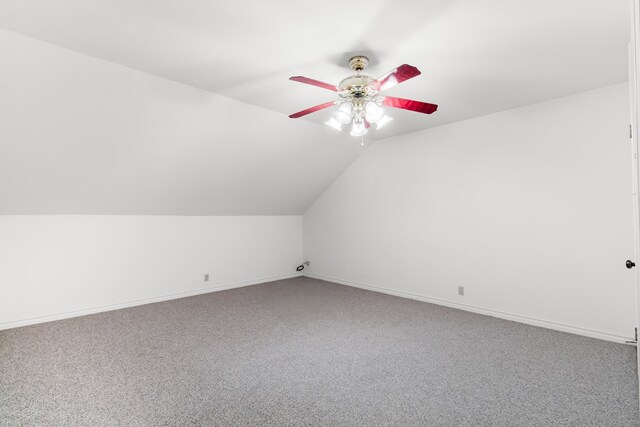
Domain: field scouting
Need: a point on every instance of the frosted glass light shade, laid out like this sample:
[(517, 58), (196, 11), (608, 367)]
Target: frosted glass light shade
[(373, 112), (343, 113), (385, 120), (358, 129), (334, 124)]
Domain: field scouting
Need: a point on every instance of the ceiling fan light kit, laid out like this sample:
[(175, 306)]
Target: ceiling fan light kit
[(360, 101)]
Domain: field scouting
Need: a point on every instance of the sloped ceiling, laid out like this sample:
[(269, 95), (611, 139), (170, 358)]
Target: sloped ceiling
[(81, 134), (477, 56)]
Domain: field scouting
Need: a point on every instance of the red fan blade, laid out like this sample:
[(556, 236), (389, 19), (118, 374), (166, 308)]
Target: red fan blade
[(395, 76), (312, 110), (314, 83), (409, 104)]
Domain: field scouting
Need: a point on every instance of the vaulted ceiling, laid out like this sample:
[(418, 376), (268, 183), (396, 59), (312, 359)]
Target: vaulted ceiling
[(226, 145), (80, 135), (477, 56)]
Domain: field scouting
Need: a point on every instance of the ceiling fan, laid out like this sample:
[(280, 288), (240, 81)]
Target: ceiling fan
[(360, 100)]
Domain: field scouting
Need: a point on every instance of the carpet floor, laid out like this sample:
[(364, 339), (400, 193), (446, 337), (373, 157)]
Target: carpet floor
[(310, 353)]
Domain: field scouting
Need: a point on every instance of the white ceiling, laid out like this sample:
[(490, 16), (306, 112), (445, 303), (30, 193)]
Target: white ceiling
[(476, 56), (80, 135)]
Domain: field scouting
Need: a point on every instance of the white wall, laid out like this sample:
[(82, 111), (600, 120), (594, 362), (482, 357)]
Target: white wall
[(58, 266), (80, 135), (529, 209)]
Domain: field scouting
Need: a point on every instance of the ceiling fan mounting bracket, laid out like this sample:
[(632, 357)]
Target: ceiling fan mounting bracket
[(358, 63)]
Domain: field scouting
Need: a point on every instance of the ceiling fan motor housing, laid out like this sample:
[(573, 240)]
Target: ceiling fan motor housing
[(355, 87)]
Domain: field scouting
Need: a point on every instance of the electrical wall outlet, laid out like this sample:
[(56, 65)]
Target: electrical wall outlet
[(206, 277), (461, 290)]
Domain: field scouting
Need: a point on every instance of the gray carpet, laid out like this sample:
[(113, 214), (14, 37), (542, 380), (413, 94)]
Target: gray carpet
[(307, 352)]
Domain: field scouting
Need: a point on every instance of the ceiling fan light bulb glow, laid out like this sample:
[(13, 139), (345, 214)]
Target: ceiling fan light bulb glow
[(358, 129), (332, 122), (343, 113), (385, 120), (373, 112), (341, 117)]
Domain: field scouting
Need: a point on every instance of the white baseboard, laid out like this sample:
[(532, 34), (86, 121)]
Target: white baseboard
[(133, 303), (475, 309)]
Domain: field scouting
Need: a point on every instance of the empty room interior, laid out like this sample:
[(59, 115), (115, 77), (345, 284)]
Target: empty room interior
[(419, 213)]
